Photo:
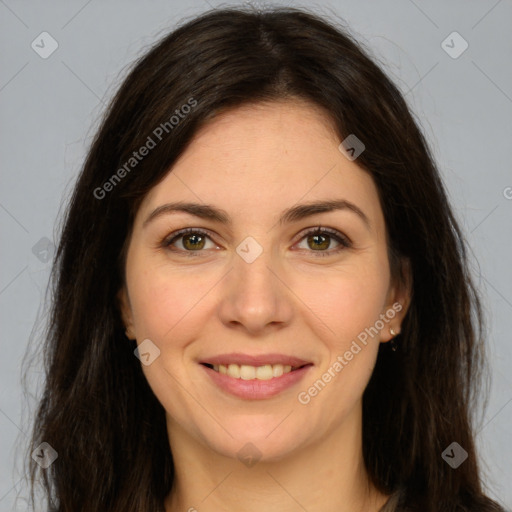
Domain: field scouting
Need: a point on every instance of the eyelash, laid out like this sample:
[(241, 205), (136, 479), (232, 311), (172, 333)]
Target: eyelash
[(344, 242)]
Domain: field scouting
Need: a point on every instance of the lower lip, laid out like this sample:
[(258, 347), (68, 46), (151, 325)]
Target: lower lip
[(256, 389)]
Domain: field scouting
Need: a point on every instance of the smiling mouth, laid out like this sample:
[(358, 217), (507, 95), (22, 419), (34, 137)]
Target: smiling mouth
[(248, 372)]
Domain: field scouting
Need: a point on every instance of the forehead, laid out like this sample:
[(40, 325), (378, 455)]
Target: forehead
[(257, 160)]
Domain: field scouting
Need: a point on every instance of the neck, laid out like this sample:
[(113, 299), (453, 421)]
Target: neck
[(327, 475)]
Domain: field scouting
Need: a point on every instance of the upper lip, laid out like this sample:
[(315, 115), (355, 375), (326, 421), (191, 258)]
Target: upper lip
[(260, 360)]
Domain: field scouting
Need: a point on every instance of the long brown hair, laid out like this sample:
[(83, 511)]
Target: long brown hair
[(97, 410)]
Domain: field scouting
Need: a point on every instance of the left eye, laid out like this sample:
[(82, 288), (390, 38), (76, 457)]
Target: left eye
[(318, 239)]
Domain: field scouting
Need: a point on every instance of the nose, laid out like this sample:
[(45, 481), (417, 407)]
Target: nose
[(255, 297)]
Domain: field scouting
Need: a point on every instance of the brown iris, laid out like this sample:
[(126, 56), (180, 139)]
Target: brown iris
[(196, 241), (322, 245)]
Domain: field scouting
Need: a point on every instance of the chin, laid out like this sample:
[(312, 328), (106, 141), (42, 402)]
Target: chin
[(265, 438)]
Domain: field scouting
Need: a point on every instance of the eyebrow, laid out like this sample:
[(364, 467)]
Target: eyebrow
[(293, 214)]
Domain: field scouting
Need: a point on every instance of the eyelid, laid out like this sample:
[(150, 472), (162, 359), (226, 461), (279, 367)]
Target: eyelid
[(323, 229)]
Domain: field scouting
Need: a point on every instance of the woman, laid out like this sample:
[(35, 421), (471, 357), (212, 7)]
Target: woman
[(262, 299)]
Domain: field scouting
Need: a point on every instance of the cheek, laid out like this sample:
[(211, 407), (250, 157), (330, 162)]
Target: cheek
[(350, 307), (348, 302), (162, 300)]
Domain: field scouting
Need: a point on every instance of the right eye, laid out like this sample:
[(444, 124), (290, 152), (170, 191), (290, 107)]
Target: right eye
[(192, 240)]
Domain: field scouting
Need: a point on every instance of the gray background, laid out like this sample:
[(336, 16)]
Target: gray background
[(51, 107)]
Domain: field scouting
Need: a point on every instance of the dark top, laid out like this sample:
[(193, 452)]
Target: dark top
[(394, 502)]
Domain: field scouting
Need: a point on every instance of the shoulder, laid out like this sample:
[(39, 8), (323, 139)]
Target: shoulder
[(398, 502), (394, 501)]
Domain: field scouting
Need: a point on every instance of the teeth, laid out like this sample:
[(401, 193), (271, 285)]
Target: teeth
[(247, 372), (277, 370), (234, 371), (265, 372)]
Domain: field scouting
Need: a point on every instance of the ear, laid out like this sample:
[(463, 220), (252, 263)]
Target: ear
[(123, 303), (398, 301)]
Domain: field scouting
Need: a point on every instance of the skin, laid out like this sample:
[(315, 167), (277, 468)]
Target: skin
[(254, 162)]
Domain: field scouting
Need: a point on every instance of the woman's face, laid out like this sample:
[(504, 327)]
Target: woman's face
[(255, 289)]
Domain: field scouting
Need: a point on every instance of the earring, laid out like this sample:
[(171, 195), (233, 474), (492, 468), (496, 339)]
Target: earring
[(392, 342)]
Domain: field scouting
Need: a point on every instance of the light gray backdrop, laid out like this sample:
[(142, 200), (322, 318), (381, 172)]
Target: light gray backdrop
[(52, 96)]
